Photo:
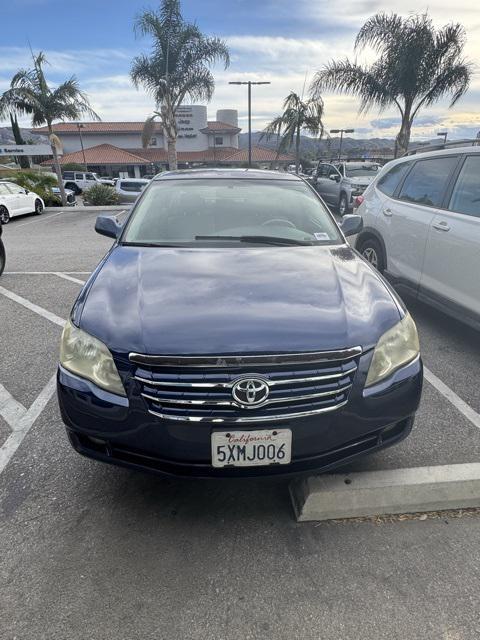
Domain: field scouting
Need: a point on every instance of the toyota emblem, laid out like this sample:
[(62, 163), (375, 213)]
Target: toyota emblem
[(250, 392)]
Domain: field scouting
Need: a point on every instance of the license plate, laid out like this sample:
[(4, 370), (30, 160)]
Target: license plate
[(251, 448)]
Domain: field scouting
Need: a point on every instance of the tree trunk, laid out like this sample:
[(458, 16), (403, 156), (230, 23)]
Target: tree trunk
[(403, 138), (297, 150), (172, 154), (58, 170), (22, 160)]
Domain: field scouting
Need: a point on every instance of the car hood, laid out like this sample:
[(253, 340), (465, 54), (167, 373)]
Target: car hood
[(235, 300)]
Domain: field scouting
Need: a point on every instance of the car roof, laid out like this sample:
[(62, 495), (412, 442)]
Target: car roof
[(449, 151), (243, 174)]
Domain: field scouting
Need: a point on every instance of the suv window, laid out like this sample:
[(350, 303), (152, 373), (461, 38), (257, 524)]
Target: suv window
[(90, 176), (466, 193), (390, 180), (427, 181), (79, 176), (68, 175)]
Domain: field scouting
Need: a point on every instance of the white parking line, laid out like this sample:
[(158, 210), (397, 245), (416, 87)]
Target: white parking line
[(10, 410), (25, 423), (39, 219), (33, 307), (450, 395), (65, 276), (45, 273)]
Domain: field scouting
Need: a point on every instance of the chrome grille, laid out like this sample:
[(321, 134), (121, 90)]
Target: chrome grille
[(299, 385)]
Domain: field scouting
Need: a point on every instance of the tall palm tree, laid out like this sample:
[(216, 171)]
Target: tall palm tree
[(177, 68), (298, 115), (30, 94), (417, 65)]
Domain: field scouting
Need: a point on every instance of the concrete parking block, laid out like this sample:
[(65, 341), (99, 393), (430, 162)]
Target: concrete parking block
[(372, 493)]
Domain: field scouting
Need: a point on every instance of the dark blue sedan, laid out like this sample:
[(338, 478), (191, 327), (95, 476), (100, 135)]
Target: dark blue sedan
[(232, 331)]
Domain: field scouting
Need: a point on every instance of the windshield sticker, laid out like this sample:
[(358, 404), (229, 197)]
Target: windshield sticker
[(322, 236)]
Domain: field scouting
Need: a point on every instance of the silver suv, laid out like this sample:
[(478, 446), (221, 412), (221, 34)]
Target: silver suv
[(339, 183)]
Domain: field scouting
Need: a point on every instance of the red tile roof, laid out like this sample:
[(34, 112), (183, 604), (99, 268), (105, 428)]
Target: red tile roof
[(97, 127), (215, 125), (105, 154), (102, 154)]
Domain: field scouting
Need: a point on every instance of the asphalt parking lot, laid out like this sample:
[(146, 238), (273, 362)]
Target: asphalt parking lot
[(91, 551)]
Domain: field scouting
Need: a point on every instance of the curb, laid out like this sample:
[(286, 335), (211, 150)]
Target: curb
[(373, 493)]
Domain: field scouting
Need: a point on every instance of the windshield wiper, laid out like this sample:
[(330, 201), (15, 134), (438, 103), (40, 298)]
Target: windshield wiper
[(260, 239)]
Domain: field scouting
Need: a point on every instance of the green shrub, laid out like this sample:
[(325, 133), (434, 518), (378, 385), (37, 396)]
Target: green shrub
[(100, 195), (73, 166)]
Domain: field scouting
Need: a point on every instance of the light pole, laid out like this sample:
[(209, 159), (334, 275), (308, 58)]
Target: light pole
[(80, 126), (249, 84), (444, 134), (341, 132)]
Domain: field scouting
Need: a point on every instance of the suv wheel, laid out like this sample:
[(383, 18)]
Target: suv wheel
[(38, 207), (372, 251), (343, 204), (4, 215)]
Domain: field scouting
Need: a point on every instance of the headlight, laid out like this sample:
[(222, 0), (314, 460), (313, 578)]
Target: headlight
[(89, 358), (398, 346)]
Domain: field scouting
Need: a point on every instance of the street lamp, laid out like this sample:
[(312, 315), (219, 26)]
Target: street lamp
[(444, 134), (81, 126), (249, 84), (341, 132)]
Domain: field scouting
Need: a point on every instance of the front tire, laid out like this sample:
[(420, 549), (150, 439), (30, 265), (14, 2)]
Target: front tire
[(343, 204), (38, 207), (372, 251), (4, 215)]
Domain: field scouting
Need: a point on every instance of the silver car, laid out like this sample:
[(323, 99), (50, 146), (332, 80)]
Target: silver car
[(339, 183), (129, 189)]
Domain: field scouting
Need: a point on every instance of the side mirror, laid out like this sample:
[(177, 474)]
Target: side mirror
[(108, 226), (335, 177), (351, 224)]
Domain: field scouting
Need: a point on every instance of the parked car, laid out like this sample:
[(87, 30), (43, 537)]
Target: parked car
[(71, 198), (422, 228), (16, 200), (340, 183), (77, 181), (2, 252), (231, 330), (129, 189)]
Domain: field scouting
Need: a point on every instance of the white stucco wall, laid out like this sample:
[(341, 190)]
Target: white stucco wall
[(71, 142)]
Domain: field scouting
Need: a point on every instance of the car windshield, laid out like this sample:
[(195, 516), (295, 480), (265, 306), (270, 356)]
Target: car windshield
[(201, 212), (360, 170)]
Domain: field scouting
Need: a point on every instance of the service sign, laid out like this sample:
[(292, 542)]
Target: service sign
[(25, 150)]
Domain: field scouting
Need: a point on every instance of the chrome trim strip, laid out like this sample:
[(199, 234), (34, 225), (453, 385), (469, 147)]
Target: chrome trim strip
[(232, 403), (220, 361), (247, 419), (229, 385)]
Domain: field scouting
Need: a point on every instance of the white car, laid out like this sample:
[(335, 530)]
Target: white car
[(129, 189), (16, 200), (421, 228), (78, 181)]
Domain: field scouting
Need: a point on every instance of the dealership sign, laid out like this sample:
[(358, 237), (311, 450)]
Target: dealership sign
[(25, 150)]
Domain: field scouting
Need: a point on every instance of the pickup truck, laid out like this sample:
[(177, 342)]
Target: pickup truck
[(77, 181)]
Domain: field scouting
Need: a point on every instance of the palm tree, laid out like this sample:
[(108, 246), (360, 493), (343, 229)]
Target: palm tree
[(298, 115), (30, 94), (417, 65), (177, 68)]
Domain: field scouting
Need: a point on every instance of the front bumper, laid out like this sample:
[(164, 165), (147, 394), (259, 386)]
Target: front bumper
[(120, 431)]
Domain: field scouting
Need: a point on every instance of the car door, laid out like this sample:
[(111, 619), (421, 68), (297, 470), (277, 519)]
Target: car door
[(19, 200), (406, 217), (329, 188), (8, 199), (80, 180), (452, 256)]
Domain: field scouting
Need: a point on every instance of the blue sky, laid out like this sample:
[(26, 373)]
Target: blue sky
[(283, 41)]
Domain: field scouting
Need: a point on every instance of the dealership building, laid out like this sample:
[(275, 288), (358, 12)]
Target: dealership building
[(115, 148)]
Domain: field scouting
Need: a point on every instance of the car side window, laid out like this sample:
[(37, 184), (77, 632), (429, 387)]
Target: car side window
[(79, 176), (90, 176), (390, 180), (322, 171), (14, 188), (132, 186), (466, 192), (427, 181), (3, 190), (68, 175)]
